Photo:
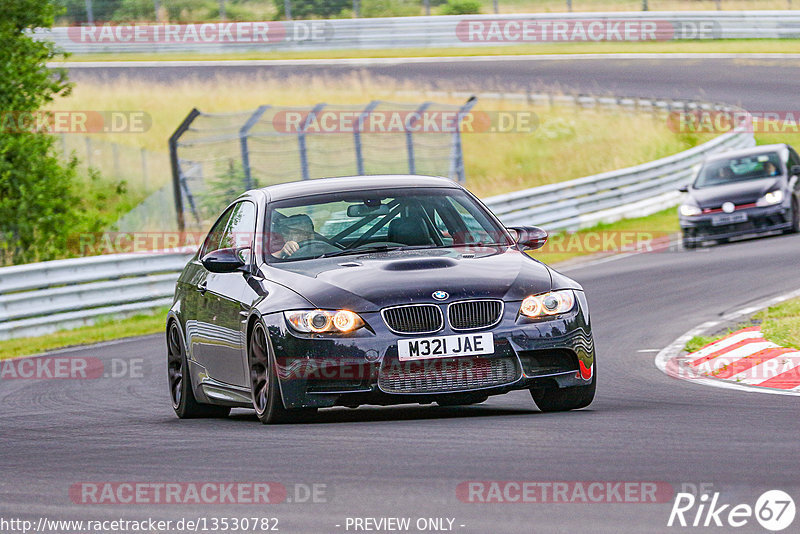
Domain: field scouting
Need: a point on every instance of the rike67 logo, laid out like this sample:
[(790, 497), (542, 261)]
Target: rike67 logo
[(774, 510)]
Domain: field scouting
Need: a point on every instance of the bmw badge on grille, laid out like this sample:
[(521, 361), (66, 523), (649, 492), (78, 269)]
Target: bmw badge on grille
[(440, 295)]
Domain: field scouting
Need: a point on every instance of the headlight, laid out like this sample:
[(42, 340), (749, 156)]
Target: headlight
[(553, 303), (773, 197), (324, 321), (690, 210)]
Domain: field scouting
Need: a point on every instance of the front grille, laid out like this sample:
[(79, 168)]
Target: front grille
[(414, 318), (474, 314), (447, 374)]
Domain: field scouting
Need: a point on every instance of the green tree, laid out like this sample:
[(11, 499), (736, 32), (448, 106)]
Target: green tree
[(38, 199)]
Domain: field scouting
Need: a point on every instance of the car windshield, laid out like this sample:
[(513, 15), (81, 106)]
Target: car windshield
[(380, 220), (732, 170)]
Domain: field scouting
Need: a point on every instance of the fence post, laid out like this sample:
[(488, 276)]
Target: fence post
[(176, 166), (357, 134), (244, 131), (412, 166), (301, 139), (457, 160)]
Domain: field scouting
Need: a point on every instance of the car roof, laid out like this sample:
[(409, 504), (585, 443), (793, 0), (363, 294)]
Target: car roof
[(322, 186), (759, 149)]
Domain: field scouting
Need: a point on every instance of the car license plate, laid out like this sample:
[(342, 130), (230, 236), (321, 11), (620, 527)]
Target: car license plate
[(424, 348), (732, 218)]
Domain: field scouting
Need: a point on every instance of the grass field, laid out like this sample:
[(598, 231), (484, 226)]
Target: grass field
[(495, 162), (253, 10), (779, 324), (727, 46), (103, 330)]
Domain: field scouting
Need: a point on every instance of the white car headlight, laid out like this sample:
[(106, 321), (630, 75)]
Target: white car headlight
[(324, 321), (771, 198), (552, 303), (690, 210)]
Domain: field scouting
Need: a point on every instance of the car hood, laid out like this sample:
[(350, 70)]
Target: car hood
[(369, 282), (746, 192)]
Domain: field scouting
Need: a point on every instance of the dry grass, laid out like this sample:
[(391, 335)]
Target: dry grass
[(559, 6), (568, 143)]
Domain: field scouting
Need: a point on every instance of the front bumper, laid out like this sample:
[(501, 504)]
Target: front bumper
[(760, 220), (321, 371)]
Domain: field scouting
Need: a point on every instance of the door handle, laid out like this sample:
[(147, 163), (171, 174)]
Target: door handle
[(202, 287)]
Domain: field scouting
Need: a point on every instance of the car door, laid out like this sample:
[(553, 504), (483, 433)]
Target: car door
[(219, 343)]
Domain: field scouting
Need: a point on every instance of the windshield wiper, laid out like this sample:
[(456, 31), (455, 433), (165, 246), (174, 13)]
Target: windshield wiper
[(361, 250)]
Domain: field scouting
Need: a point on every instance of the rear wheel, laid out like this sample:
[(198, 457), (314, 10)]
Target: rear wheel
[(563, 399), (180, 383), (264, 383)]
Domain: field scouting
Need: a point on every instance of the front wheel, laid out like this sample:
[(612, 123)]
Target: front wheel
[(264, 383), (795, 218), (180, 383), (564, 399)]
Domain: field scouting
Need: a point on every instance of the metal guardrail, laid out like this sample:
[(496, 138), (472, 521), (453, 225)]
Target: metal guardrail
[(630, 192), (40, 298), (417, 32)]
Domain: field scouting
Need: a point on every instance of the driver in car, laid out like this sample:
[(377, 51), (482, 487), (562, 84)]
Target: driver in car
[(295, 229)]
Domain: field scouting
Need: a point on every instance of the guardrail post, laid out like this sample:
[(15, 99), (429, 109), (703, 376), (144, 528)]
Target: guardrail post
[(301, 139), (175, 164), (410, 136), (357, 134), (244, 131), (457, 159)]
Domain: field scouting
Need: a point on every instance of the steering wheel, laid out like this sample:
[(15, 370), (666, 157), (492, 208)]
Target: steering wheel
[(315, 247)]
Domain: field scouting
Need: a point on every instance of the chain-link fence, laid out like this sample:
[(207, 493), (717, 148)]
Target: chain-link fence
[(217, 156)]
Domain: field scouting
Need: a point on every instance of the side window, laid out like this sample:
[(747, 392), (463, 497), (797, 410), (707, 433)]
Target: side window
[(234, 229), (793, 159), (215, 234), (241, 226)]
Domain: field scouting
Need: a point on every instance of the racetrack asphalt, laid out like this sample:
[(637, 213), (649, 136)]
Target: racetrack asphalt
[(408, 460)]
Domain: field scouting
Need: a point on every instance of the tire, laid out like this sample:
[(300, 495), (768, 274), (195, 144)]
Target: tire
[(688, 245), (564, 399), (180, 381), (795, 218), (264, 387)]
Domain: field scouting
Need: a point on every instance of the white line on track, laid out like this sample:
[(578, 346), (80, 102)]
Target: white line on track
[(403, 60)]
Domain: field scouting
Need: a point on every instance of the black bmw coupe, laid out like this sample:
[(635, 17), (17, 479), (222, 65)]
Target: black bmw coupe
[(372, 290)]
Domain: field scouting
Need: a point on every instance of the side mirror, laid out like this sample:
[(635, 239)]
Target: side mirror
[(531, 237), (684, 189), (226, 260), (795, 170)]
